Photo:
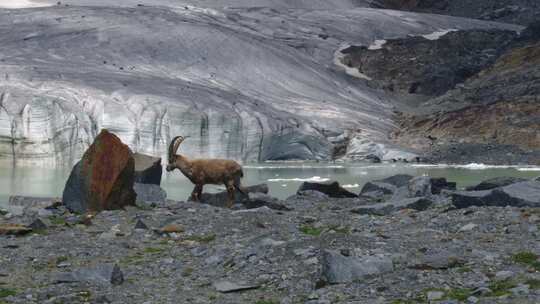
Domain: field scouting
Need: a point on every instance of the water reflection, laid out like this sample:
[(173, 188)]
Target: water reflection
[(283, 179)]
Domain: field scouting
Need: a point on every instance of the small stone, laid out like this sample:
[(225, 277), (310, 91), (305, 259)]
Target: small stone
[(227, 286), (504, 275), (472, 299), (435, 295), (37, 224), (468, 227), (171, 228), (140, 225), (520, 290)]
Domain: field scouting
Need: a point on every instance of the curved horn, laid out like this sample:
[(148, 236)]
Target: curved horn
[(173, 147)]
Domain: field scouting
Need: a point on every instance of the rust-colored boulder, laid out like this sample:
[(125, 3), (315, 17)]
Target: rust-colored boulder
[(103, 179)]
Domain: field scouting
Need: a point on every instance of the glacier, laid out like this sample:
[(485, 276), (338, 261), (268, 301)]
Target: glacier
[(247, 80)]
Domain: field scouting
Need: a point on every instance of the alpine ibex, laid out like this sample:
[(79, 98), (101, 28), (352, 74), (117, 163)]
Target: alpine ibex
[(206, 171)]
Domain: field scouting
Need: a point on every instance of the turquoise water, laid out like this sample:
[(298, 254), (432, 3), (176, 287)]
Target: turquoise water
[(283, 179)]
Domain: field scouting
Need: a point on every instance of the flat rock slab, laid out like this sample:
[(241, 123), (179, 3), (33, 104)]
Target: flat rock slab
[(228, 286), (332, 189), (337, 268), (496, 183), (522, 194), (107, 274), (418, 203), (220, 199)]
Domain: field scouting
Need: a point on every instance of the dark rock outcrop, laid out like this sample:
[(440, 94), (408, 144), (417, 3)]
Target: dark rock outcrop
[(510, 11), (332, 189), (500, 104), (148, 169), (103, 179), (495, 183), (522, 194), (418, 203), (436, 65), (220, 199)]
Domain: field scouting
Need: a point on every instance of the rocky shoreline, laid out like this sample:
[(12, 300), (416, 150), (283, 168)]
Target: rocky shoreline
[(403, 239)]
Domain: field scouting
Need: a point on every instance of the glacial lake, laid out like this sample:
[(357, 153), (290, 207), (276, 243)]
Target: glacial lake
[(283, 179)]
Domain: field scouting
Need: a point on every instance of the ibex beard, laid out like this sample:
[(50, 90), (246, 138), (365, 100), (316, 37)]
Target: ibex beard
[(206, 171)]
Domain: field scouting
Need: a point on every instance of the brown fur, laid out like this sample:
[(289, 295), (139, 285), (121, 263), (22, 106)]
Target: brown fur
[(206, 171)]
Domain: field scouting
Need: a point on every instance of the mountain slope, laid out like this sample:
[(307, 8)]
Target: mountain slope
[(245, 83)]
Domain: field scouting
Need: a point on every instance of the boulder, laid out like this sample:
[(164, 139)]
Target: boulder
[(103, 178), (332, 189), (495, 183), (380, 187), (149, 193), (420, 186), (440, 184), (220, 199), (399, 180), (148, 169), (106, 274), (523, 194), (257, 200), (417, 203), (32, 206), (337, 268)]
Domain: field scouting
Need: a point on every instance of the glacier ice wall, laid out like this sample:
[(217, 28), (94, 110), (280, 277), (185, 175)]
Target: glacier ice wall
[(246, 83)]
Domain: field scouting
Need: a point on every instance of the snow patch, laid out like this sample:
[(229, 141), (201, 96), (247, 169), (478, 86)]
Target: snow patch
[(377, 45), (338, 57), (438, 34), (351, 186), (21, 4), (314, 179), (529, 169)]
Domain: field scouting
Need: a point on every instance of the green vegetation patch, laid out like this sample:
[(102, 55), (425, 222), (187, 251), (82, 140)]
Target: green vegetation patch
[(267, 301), (527, 258), (501, 288), (6, 292), (57, 220), (311, 230), (533, 283), (206, 238), (153, 250)]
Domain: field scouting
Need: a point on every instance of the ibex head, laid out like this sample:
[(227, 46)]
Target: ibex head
[(173, 148)]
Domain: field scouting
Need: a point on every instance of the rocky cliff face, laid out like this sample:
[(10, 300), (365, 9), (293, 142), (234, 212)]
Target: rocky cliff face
[(493, 117), (511, 11), (244, 83)]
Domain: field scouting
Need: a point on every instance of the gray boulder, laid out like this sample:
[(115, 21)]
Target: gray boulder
[(332, 189), (523, 194), (148, 169), (377, 187), (257, 200), (220, 199), (32, 206), (418, 203), (420, 186), (398, 180), (495, 183), (337, 268), (149, 193), (106, 274)]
